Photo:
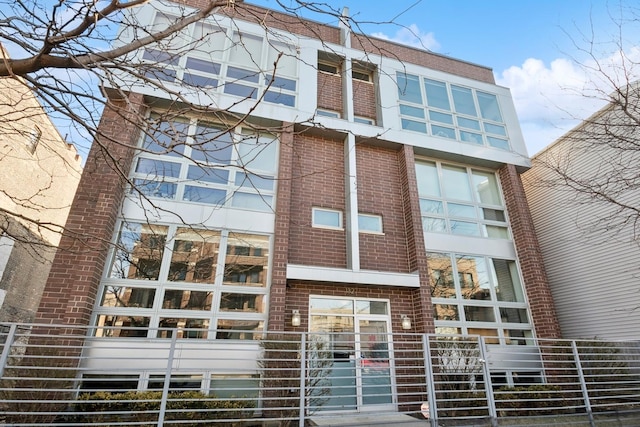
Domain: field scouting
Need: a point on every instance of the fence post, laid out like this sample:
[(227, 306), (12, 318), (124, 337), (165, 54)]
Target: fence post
[(487, 382), (167, 379), (431, 387), (583, 384), (6, 350), (303, 377)]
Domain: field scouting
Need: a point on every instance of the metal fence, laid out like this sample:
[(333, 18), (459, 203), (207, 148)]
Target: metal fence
[(62, 375)]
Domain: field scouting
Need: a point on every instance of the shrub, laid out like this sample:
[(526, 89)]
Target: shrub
[(542, 399), (141, 407)]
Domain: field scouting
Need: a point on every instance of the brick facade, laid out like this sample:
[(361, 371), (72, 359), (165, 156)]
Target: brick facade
[(531, 263), (72, 287)]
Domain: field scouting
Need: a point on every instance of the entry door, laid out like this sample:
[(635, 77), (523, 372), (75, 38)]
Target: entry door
[(358, 344)]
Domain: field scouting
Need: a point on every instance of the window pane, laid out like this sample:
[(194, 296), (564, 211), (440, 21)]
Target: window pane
[(489, 106), (182, 299), (456, 183), (247, 260), (445, 312), (331, 306), (212, 145), (122, 326), (466, 211), (486, 188), (246, 50), (165, 137), (195, 256), (199, 81), (431, 207), (209, 40), (211, 196), (158, 168), (414, 126), (287, 63), (139, 251), (242, 303), (327, 218), (185, 328), (160, 56), (500, 143), (203, 66), (233, 386), (463, 100), (201, 173), (441, 275), (509, 287), (409, 88), (479, 314), (496, 232), (468, 123), (371, 223), (240, 90), (474, 138), (434, 225), (443, 132), (427, 176), (493, 214), (474, 277), (437, 95), (124, 296), (247, 76), (280, 83), (407, 110), (164, 190), (254, 181), (513, 315), (258, 202), (275, 97), (258, 153), (498, 130), (371, 307), (239, 329), (176, 382), (464, 228), (440, 117)]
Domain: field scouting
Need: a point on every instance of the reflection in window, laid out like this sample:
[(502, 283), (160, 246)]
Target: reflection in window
[(242, 302), (211, 144), (441, 275), (124, 296), (194, 257), (182, 299), (246, 261), (239, 329), (139, 251), (121, 326), (185, 328), (165, 137)]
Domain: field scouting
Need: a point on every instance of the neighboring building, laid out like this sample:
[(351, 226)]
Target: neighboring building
[(590, 245), (382, 195), (39, 173)]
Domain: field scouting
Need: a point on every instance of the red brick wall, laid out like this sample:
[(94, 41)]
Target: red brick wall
[(417, 256), (364, 104), (380, 193), (531, 262), (73, 282), (278, 288), (330, 92), (318, 180)]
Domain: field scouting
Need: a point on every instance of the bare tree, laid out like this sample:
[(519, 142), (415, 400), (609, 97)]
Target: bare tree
[(596, 165)]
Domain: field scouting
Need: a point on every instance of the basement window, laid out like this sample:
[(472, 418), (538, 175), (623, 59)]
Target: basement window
[(327, 218)]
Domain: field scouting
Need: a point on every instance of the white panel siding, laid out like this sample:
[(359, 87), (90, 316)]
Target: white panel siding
[(594, 272)]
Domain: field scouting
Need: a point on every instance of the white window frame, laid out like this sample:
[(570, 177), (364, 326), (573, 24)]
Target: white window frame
[(315, 224), (380, 229)]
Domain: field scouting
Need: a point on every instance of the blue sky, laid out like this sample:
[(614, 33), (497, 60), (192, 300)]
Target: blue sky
[(529, 44)]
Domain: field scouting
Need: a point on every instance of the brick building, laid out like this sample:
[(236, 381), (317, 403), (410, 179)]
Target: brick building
[(373, 190)]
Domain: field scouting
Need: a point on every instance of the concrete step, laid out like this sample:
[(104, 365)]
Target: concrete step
[(368, 420)]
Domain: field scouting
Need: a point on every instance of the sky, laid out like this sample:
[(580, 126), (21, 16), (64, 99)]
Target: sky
[(534, 47)]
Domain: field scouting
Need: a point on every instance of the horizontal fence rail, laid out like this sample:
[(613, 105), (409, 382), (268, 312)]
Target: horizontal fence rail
[(68, 376)]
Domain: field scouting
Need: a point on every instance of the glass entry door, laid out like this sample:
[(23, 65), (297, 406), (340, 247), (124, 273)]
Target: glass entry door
[(354, 338)]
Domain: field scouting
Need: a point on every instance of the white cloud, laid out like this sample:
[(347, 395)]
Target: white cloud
[(550, 100), (412, 36)]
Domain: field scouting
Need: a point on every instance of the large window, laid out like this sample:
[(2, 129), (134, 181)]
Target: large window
[(199, 162), (220, 60), (450, 111), (478, 295), (170, 279), (460, 200)]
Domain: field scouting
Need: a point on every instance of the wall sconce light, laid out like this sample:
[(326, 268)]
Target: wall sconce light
[(406, 322), (295, 318)]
